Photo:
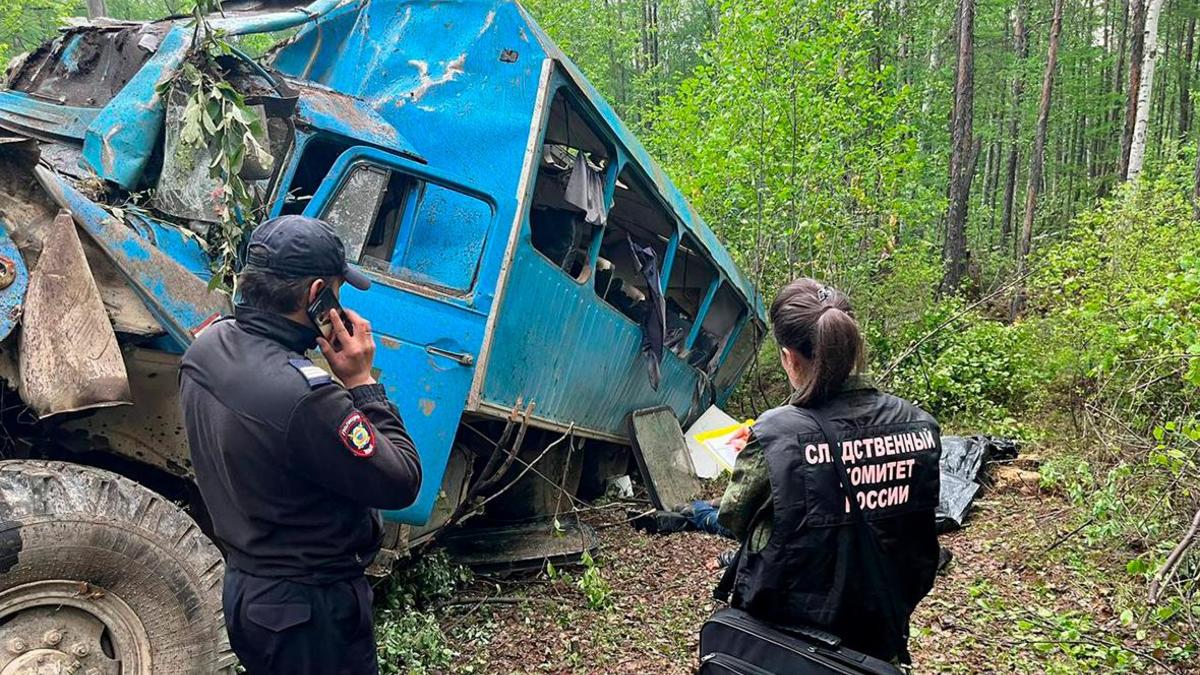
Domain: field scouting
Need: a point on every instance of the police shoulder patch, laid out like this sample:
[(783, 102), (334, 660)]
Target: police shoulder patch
[(357, 435), (312, 373)]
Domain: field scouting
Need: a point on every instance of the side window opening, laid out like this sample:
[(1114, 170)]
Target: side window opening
[(410, 229), (739, 355), (316, 160), (692, 275), (367, 211), (639, 217), (568, 208), (722, 315)]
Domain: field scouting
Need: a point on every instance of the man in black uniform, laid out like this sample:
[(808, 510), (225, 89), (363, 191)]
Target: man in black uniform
[(291, 464)]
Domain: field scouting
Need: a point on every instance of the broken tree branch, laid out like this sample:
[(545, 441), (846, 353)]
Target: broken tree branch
[(1164, 574), (886, 374)]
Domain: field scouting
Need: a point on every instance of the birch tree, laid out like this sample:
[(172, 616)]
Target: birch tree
[(1137, 149)]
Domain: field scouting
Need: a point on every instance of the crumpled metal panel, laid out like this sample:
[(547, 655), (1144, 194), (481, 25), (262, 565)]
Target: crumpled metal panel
[(120, 140), (70, 359), (23, 114), (179, 300), (331, 111)]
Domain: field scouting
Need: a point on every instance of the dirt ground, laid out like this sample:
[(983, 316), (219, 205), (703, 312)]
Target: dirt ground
[(1023, 594)]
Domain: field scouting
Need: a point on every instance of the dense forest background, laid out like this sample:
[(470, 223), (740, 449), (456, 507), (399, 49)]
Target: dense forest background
[(1006, 189)]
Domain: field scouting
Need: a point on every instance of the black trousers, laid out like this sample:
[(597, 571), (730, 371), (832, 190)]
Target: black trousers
[(282, 627)]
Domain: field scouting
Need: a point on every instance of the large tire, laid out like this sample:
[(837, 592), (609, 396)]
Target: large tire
[(99, 572)]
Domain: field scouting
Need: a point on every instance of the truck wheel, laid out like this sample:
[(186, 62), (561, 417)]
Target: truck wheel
[(98, 574)]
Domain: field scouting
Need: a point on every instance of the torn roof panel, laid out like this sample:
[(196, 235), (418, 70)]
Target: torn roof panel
[(327, 110)]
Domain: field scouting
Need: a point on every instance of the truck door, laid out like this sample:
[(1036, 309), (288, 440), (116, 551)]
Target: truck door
[(419, 234)]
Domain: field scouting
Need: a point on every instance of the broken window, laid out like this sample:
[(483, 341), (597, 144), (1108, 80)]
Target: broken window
[(568, 208), (406, 228), (316, 160), (688, 288), (639, 217), (740, 354), (719, 320)]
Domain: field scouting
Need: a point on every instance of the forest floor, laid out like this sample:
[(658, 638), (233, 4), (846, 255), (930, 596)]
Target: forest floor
[(1024, 593)]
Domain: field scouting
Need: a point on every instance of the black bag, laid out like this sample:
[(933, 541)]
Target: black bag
[(734, 643)]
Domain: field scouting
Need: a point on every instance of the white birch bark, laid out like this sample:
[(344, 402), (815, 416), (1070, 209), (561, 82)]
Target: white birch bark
[(1137, 151)]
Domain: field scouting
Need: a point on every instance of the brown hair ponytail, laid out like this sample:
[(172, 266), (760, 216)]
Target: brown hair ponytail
[(816, 321)]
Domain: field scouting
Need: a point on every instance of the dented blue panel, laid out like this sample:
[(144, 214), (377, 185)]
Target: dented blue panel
[(452, 95), (120, 140), (332, 112), (42, 119)]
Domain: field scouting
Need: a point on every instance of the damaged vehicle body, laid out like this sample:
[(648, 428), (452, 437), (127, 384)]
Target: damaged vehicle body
[(529, 260)]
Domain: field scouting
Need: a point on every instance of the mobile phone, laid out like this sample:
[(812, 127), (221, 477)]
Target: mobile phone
[(318, 311)]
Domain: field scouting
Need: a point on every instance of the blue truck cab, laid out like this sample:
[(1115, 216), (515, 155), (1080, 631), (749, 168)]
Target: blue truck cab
[(502, 209)]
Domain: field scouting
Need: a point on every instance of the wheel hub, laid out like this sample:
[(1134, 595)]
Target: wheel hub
[(69, 628)]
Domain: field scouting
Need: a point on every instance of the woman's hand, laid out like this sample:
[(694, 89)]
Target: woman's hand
[(739, 439)]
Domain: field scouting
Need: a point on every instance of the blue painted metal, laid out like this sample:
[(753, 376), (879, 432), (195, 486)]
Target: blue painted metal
[(463, 81), (433, 69), (274, 21), (43, 119), (121, 138), (14, 281), (428, 339), (332, 112), (69, 57), (702, 311)]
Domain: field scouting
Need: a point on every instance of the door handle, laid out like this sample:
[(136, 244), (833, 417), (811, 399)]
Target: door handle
[(463, 358)]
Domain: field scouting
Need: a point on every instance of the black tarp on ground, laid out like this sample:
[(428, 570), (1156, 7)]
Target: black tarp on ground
[(963, 468)]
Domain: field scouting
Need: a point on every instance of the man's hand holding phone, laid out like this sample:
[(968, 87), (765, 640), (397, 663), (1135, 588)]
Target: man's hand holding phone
[(350, 350)]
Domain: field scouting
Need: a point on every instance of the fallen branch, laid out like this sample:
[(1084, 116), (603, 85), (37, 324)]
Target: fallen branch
[(488, 600), (886, 374), (1065, 537), (1164, 574)]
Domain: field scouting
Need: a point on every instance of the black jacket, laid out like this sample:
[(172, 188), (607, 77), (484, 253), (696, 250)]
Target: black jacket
[(812, 569), (290, 464)]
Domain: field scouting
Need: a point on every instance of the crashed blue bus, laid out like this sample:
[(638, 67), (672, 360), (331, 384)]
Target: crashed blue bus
[(497, 202)]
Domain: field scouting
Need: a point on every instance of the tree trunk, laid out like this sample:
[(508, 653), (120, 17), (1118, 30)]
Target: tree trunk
[(1036, 161), (1137, 43), (1021, 46), (1196, 187), (954, 252), (1137, 151), (1185, 81), (96, 8)]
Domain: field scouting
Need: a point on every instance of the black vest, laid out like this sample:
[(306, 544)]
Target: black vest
[(811, 570)]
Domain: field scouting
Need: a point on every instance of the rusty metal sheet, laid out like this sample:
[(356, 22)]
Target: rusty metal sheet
[(527, 546), (150, 431), (69, 355)]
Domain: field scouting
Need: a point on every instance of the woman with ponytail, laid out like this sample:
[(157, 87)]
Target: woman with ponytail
[(833, 496)]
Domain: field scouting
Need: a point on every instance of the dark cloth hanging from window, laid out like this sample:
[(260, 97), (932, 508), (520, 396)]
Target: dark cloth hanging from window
[(654, 321)]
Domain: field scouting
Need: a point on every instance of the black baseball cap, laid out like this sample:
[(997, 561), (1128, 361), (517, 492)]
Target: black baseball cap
[(299, 246)]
